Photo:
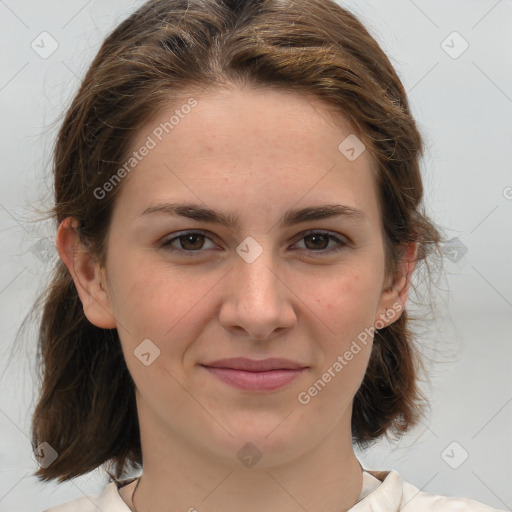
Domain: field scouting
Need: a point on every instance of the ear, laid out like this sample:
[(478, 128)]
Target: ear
[(87, 274), (394, 297)]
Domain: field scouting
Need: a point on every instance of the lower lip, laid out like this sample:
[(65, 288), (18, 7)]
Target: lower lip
[(255, 381)]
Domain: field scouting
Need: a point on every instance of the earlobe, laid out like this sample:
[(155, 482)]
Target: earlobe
[(87, 274)]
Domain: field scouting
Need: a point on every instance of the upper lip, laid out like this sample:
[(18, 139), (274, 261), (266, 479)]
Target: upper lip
[(254, 365)]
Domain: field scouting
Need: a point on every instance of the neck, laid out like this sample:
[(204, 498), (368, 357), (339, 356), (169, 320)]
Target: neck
[(178, 476)]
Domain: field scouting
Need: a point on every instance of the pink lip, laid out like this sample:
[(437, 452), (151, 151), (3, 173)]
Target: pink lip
[(254, 375)]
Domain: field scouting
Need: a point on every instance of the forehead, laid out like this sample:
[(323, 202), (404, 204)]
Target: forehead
[(249, 147), (250, 115)]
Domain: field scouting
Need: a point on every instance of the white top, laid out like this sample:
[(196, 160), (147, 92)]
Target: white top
[(382, 491)]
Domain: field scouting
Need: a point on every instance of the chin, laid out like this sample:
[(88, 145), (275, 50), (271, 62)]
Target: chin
[(262, 444)]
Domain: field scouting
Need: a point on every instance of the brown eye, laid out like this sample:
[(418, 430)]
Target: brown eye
[(318, 242), (188, 242), (191, 242)]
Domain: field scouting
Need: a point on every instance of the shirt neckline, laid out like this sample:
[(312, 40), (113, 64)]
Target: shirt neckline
[(388, 492)]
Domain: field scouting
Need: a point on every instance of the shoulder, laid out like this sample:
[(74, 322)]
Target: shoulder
[(395, 494), (109, 500)]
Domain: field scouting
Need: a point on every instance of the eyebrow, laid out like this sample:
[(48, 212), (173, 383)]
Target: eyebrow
[(289, 218)]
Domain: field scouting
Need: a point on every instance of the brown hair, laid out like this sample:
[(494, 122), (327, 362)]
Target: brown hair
[(159, 55)]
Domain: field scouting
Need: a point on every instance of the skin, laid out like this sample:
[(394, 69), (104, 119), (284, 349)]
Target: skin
[(255, 154)]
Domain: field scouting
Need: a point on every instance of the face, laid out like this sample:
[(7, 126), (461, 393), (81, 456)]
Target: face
[(184, 289)]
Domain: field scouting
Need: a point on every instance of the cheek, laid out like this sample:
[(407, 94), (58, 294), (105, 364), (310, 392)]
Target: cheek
[(152, 300), (347, 307), (140, 283), (163, 307), (347, 300)]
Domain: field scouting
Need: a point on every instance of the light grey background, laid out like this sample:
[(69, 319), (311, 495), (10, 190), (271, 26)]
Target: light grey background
[(463, 106)]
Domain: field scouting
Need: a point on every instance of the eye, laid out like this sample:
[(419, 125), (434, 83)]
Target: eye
[(190, 242), (318, 242)]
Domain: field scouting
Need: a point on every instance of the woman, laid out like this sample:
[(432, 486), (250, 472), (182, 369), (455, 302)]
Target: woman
[(238, 197)]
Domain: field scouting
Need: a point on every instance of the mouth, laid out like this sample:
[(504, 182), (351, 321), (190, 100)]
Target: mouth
[(256, 375)]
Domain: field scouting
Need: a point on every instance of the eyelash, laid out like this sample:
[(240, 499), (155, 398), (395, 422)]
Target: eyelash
[(166, 244)]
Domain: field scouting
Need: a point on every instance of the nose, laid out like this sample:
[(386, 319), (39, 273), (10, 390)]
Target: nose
[(257, 300)]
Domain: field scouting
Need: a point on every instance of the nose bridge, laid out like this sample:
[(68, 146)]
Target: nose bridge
[(258, 302), (256, 272)]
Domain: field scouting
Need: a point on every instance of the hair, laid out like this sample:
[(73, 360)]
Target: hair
[(162, 53)]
